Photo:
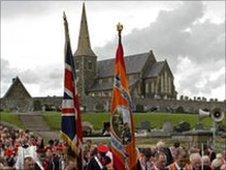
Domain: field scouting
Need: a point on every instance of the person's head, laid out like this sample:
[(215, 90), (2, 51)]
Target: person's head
[(206, 149), (24, 141), (56, 142), (50, 142), (29, 163), (145, 155), (181, 157), (40, 142), (93, 151), (27, 131), (148, 154), (71, 164), (195, 160), (102, 150), (89, 143), (177, 144), (160, 160), (206, 160), (49, 152), (160, 145)]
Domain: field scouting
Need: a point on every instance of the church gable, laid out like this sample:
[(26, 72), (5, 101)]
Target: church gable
[(17, 91), (17, 98), (155, 69), (167, 68)]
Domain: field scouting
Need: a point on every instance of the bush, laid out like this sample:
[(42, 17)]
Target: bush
[(99, 107), (139, 108), (7, 110), (37, 105), (180, 109), (182, 127), (152, 109), (221, 128)]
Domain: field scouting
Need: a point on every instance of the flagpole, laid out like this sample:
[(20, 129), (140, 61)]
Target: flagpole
[(202, 153), (73, 139), (119, 29)]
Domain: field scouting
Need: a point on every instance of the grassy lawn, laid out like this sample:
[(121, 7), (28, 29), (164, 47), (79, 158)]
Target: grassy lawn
[(156, 119), (11, 118), (96, 119)]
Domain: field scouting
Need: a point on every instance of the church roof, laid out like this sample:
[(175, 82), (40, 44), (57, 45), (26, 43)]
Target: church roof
[(155, 69), (84, 47), (17, 85), (134, 64)]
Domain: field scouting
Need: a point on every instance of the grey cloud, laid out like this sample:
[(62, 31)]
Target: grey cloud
[(53, 80), (189, 82), (46, 77), (163, 35), (203, 44), (7, 71)]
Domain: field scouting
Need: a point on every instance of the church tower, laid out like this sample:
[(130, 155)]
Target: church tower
[(85, 59)]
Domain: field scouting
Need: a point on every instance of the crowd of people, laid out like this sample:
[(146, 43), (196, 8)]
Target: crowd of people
[(176, 157), (21, 149)]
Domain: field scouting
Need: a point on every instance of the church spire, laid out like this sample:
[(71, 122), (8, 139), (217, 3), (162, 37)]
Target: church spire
[(84, 47)]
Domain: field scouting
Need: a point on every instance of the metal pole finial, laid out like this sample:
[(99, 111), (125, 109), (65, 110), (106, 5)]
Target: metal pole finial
[(64, 15), (119, 29)]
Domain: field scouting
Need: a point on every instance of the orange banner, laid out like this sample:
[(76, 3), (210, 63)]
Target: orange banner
[(122, 122)]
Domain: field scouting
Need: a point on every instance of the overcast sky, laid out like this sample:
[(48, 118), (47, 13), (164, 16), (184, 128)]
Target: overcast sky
[(190, 35)]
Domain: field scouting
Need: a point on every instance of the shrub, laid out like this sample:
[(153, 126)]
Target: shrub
[(139, 108), (99, 107), (180, 109), (37, 105), (182, 127)]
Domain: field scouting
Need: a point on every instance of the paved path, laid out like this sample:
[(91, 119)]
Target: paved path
[(34, 122)]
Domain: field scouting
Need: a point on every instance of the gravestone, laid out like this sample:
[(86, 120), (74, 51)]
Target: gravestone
[(145, 125), (167, 127), (199, 126)]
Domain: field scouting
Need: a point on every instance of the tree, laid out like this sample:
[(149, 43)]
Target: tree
[(182, 127)]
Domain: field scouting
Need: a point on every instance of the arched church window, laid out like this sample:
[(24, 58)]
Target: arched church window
[(90, 66)]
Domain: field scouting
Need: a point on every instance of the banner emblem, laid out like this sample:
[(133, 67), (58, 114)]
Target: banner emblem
[(121, 125)]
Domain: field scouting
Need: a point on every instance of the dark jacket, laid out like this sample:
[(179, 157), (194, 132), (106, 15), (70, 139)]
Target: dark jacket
[(93, 165)]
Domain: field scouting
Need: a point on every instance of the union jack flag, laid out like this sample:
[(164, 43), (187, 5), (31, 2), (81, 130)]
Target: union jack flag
[(71, 127)]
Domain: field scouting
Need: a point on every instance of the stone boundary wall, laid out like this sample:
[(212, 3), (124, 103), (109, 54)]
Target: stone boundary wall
[(100, 104), (190, 106)]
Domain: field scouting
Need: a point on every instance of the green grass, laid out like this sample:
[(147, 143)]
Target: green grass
[(11, 118), (156, 119), (96, 119)]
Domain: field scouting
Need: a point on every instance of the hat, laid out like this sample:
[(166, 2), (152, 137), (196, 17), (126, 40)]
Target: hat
[(102, 148), (9, 152)]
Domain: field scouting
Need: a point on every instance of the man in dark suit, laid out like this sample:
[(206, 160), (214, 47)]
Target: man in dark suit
[(98, 160)]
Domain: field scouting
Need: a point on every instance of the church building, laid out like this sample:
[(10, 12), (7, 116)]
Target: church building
[(148, 78)]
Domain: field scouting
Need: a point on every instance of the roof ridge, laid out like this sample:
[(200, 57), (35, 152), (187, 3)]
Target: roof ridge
[(124, 56)]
